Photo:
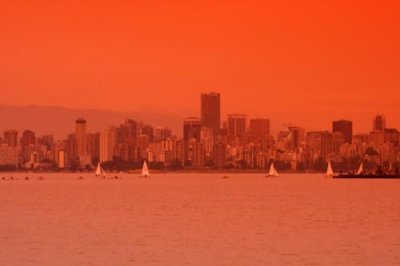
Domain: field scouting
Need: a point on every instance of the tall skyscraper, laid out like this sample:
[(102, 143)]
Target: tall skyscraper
[(379, 123), (296, 136), (28, 138), (236, 124), (211, 111), (70, 151), (93, 143), (80, 137), (345, 127), (108, 144), (28, 141), (11, 138)]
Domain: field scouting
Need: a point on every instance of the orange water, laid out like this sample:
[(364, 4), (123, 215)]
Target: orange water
[(199, 219)]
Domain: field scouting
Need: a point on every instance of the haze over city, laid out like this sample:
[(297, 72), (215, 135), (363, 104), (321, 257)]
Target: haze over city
[(292, 63)]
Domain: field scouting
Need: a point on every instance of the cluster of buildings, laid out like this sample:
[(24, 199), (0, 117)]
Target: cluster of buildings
[(206, 143)]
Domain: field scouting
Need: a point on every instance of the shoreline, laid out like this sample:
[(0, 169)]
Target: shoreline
[(193, 171)]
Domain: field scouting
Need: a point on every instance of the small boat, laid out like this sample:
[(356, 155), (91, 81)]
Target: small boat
[(360, 170), (100, 172), (225, 177), (145, 170), (329, 170), (272, 171)]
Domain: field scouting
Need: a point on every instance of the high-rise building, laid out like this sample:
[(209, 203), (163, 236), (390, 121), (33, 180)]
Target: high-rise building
[(211, 111), (10, 138), (80, 137), (61, 159), (377, 138), (148, 130), (236, 124), (28, 141), (60, 153), (191, 128), (93, 141), (8, 155), (28, 138), (108, 144), (191, 135), (127, 132), (219, 153), (296, 137), (71, 156), (196, 153), (345, 127), (206, 137), (46, 140), (162, 134), (379, 123), (319, 144), (260, 126), (392, 135)]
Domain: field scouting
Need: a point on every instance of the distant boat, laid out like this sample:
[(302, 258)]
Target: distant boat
[(145, 170), (272, 171), (100, 172), (360, 169), (329, 171)]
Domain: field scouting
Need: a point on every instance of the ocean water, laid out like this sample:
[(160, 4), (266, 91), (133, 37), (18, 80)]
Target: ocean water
[(199, 219)]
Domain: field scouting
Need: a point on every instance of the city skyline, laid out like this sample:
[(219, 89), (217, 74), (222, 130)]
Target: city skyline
[(208, 141), (214, 132)]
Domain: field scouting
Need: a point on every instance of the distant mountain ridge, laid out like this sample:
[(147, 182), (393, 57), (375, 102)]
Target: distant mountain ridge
[(60, 121)]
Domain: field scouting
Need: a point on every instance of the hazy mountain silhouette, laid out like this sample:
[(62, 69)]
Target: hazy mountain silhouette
[(60, 121)]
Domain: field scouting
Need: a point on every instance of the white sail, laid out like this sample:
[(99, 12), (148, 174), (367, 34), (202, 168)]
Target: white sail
[(329, 171), (360, 169), (145, 170), (272, 170), (98, 170)]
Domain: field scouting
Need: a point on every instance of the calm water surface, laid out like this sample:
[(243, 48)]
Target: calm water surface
[(199, 219)]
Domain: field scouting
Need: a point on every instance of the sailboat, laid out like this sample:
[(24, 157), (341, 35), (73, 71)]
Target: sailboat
[(145, 170), (360, 169), (100, 171), (272, 171), (379, 173), (329, 171)]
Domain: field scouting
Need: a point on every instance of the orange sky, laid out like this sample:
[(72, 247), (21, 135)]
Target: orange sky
[(305, 62)]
